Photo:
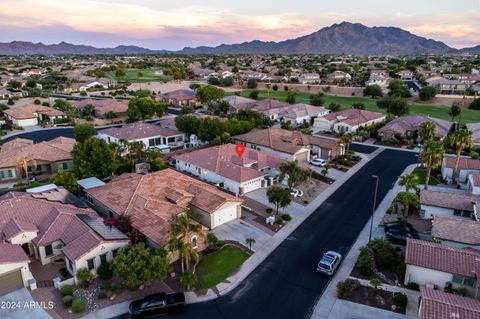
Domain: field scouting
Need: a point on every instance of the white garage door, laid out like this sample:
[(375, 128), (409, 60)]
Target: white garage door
[(225, 215)]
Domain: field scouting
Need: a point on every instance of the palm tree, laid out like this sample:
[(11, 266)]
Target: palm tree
[(250, 241), (137, 148), (427, 131), (175, 245), (410, 181), (463, 139), (154, 154), (347, 139), (22, 165), (431, 156), (188, 280), (407, 199)]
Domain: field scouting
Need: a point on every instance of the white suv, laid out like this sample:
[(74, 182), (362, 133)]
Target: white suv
[(329, 263), (318, 162)]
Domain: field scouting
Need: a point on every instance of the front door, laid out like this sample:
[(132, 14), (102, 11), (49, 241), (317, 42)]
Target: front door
[(26, 248)]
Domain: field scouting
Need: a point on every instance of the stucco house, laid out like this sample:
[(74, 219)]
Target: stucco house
[(14, 270), (152, 200), (408, 127), (466, 167), (49, 156), (436, 265), (298, 114), (405, 75), (103, 107), (348, 120), (309, 78), (456, 231), (180, 98), (29, 115), (435, 203), (436, 304), (221, 165), (338, 76)]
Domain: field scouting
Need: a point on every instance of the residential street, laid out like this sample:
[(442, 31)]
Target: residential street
[(286, 284)]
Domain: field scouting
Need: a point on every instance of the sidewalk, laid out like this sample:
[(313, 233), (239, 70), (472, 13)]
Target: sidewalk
[(326, 307)]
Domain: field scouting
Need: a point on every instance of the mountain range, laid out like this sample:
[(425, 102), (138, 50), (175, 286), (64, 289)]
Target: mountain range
[(342, 38)]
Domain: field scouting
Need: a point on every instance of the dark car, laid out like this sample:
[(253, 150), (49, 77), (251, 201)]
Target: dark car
[(399, 227), (156, 305), (399, 237)]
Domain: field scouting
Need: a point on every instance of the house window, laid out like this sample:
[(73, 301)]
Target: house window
[(194, 241), (114, 252), (103, 258), (48, 250), (462, 213), (90, 264), (66, 166), (158, 141), (151, 142), (464, 281), (6, 174)]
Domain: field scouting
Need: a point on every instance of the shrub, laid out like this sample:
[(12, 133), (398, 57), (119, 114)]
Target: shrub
[(78, 305), (269, 210), (132, 283), (364, 262), (462, 291), (474, 154), (104, 272), (279, 221), (286, 217), (346, 287), (116, 289), (106, 286), (376, 284), (85, 277), (413, 286), (67, 300), (383, 252), (66, 290), (400, 300), (102, 294)]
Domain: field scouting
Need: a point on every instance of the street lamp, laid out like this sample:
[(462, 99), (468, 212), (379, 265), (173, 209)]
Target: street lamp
[(373, 210)]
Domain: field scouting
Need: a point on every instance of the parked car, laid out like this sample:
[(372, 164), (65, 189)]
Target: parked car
[(296, 192), (399, 237), (157, 304), (318, 162), (329, 263), (399, 227)]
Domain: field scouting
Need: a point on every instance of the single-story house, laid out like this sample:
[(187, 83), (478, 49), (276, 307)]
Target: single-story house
[(408, 127), (44, 159), (14, 270), (103, 107), (259, 105), (180, 98), (348, 120), (435, 203), (456, 231), (466, 167), (298, 114), (438, 265), (436, 304), (235, 100), (29, 115), (150, 135), (308, 78), (51, 231), (221, 165), (152, 200), (475, 129), (381, 80), (291, 145), (338, 76)]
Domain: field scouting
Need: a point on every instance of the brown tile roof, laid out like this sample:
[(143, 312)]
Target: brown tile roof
[(402, 124), (152, 200), (139, 130), (104, 106), (224, 161), (463, 163), (261, 105), (448, 200), (15, 227), (475, 179), (285, 141), (464, 262), (353, 117), (301, 110), (28, 111), (56, 150), (180, 95), (437, 304), (460, 230), (12, 254)]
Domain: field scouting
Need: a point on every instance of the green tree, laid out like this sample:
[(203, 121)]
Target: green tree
[(68, 180), (358, 105), (374, 91), (407, 199), (252, 83), (188, 124), (376, 284), (188, 280), (224, 107), (85, 277), (83, 132), (475, 105), (398, 89), (346, 139), (209, 93), (317, 99), (279, 196), (427, 131), (334, 107), (138, 264), (291, 97), (394, 105), (427, 93), (62, 105), (431, 156), (253, 94), (463, 139), (410, 181), (138, 149), (455, 110), (93, 157), (120, 72), (228, 81), (295, 174), (144, 108)]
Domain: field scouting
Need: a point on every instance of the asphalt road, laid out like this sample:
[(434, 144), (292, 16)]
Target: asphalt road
[(286, 284)]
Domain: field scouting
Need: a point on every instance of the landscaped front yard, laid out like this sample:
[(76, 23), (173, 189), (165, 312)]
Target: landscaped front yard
[(422, 175), (218, 266)]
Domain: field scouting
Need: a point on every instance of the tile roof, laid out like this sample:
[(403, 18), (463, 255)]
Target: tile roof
[(475, 179), (456, 229), (302, 110), (463, 163), (402, 124), (14, 227), (448, 200), (138, 130), (464, 262), (152, 200), (260, 105), (353, 117), (180, 95), (55, 150), (28, 111), (285, 141), (12, 254), (104, 106), (224, 161), (437, 304)]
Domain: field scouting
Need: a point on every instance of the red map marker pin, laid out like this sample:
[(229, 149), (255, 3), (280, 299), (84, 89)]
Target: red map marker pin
[(239, 149)]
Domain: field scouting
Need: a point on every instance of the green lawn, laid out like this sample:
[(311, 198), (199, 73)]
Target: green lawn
[(218, 266), (132, 76), (422, 175), (434, 110)]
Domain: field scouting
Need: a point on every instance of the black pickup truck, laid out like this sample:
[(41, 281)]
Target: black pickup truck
[(156, 305)]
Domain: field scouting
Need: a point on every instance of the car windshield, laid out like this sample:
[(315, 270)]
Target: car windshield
[(323, 265)]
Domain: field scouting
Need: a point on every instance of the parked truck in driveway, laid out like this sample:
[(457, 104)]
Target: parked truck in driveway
[(156, 305)]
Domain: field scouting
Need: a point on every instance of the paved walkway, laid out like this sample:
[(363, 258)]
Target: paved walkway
[(328, 303), (343, 309)]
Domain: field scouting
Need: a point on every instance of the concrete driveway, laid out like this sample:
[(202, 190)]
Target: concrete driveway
[(239, 230), (25, 306)]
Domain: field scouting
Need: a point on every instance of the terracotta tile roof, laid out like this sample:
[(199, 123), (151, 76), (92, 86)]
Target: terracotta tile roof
[(464, 262), (402, 124), (28, 111), (261, 105), (82, 245), (437, 304), (448, 200), (224, 161), (180, 95), (285, 141), (475, 179), (15, 227), (460, 230), (139, 130), (56, 150), (104, 106), (301, 110), (152, 200), (353, 117), (12, 254), (463, 163)]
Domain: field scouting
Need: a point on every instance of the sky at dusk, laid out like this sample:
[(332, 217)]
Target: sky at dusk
[(179, 23)]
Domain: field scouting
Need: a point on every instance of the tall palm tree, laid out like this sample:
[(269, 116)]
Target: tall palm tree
[(188, 280), (250, 241), (137, 148), (463, 139), (22, 165), (407, 199), (427, 131), (431, 156), (410, 181), (347, 139)]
